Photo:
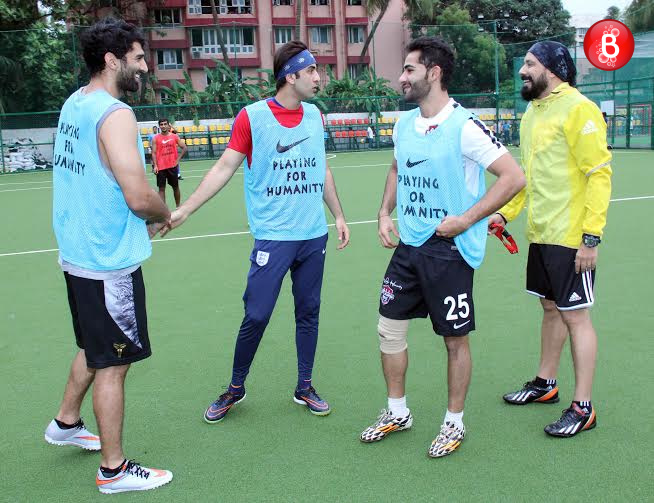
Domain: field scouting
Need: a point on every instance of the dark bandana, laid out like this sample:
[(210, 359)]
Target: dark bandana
[(556, 58)]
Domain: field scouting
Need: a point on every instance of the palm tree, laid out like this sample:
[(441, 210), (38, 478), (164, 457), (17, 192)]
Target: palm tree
[(219, 34), (373, 6), (381, 6), (298, 18)]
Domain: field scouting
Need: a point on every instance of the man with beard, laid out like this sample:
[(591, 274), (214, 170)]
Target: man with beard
[(286, 181), (103, 211), (165, 159), (563, 147), (437, 183)]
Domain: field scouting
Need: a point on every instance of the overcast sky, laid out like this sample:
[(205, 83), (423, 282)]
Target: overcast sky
[(596, 8)]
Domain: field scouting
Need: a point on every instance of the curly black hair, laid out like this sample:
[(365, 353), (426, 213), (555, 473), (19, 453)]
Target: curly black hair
[(108, 35), (434, 51)]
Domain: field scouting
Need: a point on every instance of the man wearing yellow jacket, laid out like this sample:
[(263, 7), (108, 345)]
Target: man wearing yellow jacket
[(567, 163)]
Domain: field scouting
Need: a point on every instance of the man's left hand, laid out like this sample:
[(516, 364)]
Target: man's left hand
[(343, 233), (586, 259), (451, 226)]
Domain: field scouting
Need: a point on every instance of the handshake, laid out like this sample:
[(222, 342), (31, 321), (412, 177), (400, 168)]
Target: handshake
[(177, 218)]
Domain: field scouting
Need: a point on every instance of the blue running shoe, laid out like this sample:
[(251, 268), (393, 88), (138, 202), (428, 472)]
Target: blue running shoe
[(218, 409), (310, 398)]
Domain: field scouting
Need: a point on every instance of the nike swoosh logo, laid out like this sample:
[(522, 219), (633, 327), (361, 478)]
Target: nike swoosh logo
[(461, 325), (165, 141), (283, 148), (410, 164)]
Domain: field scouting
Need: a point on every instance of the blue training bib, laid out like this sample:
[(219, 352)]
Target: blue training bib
[(285, 182), (94, 227), (431, 183)]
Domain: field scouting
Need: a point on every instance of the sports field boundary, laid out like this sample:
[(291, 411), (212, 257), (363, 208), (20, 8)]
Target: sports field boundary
[(241, 233)]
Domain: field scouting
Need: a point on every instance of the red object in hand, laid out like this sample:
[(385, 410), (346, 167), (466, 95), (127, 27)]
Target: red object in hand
[(506, 238)]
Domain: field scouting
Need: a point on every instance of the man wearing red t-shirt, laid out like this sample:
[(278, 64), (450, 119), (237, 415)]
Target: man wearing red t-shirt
[(165, 159), (287, 182)]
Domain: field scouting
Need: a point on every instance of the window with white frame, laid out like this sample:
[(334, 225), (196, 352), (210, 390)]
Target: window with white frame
[(319, 2), (354, 2), (283, 35), (238, 40), (167, 17), (282, 2), (355, 34), (195, 6), (222, 6), (170, 59), (321, 34), (355, 70)]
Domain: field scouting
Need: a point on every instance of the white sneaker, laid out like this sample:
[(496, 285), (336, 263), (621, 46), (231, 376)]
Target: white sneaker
[(385, 424), (447, 441), (132, 477), (78, 436)]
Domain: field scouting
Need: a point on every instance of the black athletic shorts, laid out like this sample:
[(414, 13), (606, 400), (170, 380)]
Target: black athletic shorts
[(551, 275), (168, 175), (433, 280), (109, 319)]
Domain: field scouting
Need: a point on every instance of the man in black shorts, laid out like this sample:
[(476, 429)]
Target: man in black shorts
[(437, 183), (564, 151), (103, 211), (165, 159)]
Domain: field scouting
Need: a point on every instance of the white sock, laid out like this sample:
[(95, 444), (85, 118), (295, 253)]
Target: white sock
[(397, 406), (454, 417)]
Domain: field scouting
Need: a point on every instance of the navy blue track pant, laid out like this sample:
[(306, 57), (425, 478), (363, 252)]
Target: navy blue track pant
[(271, 260)]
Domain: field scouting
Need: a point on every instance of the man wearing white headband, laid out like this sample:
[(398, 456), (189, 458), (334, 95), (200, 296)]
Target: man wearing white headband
[(286, 180)]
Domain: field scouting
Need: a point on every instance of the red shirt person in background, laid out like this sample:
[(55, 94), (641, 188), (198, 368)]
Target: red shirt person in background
[(165, 159)]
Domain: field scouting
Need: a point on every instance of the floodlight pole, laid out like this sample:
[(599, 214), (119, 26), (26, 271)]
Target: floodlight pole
[(497, 78)]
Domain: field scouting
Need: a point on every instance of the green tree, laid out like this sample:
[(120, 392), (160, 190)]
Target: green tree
[(639, 16), (36, 55), (37, 67), (355, 95), (613, 12), (475, 50), (520, 23)]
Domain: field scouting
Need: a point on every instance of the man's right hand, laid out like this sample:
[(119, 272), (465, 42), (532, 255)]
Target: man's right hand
[(155, 227), (495, 219), (155, 170), (386, 226), (177, 218)]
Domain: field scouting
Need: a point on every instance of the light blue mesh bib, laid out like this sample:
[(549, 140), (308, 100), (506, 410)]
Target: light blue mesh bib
[(284, 185), (94, 227), (431, 183)]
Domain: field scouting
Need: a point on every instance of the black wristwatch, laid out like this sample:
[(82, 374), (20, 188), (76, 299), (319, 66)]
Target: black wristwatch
[(590, 241)]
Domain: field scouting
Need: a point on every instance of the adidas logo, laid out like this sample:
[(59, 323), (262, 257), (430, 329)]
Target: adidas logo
[(574, 297), (589, 128)]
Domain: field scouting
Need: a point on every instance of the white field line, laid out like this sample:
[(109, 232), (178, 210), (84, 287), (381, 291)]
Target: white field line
[(204, 172), (241, 233)]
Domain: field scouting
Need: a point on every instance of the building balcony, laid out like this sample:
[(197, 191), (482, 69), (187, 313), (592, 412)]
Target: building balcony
[(213, 51)]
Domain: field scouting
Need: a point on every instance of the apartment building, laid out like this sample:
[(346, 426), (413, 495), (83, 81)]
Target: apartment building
[(186, 38)]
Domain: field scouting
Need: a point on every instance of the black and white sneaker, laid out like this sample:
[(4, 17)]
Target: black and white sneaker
[(386, 423), (574, 420), (530, 392)]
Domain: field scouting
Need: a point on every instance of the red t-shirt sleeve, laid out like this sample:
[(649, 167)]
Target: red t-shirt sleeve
[(241, 139)]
